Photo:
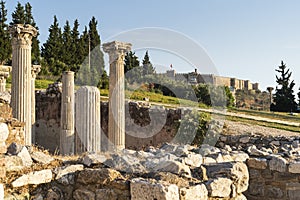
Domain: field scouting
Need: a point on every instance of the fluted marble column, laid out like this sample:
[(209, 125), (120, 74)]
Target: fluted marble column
[(21, 75), (35, 69), (67, 139), (116, 118), (87, 120)]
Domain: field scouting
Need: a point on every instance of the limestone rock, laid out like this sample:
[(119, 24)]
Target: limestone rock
[(239, 156), (4, 132), (93, 158), (34, 178), (126, 163), (278, 163), (194, 160), (257, 163), (219, 187), (63, 171), (197, 192), (41, 157), (1, 192), (143, 189), (81, 194), (252, 150), (294, 167), (25, 156), (236, 171), (244, 139), (98, 176), (206, 149), (13, 163), (174, 167)]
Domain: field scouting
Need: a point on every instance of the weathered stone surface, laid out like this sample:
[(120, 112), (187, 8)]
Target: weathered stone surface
[(197, 192), (194, 160), (294, 167), (257, 163), (93, 158), (81, 194), (106, 194), (278, 163), (293, 190), (36, 177), (62, 171), (142, 189), (4, 132), (174, 167), (219, 187), (239, 156), (252, 150), (1, 191), (244, 139), (206, 149), (237, 172), (13, 163), (41, 157), (25, 156), (98, 176)]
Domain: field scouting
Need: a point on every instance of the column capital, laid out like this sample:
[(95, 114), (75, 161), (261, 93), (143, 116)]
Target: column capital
[(22, 34), (116, 49), (35, 69)]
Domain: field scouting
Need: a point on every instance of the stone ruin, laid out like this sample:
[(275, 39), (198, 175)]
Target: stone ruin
[(240, 167)]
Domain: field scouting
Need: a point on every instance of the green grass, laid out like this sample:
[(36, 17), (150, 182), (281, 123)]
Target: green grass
[(271, 115)]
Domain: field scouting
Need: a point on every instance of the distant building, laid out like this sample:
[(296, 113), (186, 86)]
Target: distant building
[(196, 78)]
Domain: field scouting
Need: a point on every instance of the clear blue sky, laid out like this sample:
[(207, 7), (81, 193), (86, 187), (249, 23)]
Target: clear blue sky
[(245, 38)]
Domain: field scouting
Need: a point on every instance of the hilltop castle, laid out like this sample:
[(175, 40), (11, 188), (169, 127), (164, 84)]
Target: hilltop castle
[(196, 78)]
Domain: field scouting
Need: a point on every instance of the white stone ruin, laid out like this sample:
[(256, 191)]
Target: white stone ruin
[(21, 92), (4, 73), (87, 123), (116, 118)]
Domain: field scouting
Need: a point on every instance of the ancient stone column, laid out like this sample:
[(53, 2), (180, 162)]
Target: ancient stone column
[(21, 75), (67, 114), (116, 118), (34, 72), (4, 73), (87, 120)]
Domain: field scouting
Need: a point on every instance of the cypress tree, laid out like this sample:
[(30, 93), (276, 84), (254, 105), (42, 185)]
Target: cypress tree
[(284, 98), (18, 16), (67, 45), (5, 45), (35, 51), (75, 46), (148, 68), (132, 68), (52, 48)]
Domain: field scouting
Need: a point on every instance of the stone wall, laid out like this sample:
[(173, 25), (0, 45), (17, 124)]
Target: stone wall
[(274, 165), (137, 116)]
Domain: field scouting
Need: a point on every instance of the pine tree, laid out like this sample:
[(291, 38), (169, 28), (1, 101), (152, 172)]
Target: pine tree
[(18, 16), (67, 50), (75, 46), (298, 97), (93, 67), (148, 69), (5, 45), (132, 68), (35, 51), (52, 48), (284, 98)]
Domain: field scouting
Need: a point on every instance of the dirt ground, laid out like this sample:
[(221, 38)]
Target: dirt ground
[(238, 128)]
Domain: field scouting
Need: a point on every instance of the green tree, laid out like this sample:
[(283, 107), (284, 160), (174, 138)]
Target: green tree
[(35, 51), (284, 98), (148, 68), (67, 50), (92, 68), (298, 97), (18, 16), (52, 49), (132, 68), (75, 47), (5, 45)]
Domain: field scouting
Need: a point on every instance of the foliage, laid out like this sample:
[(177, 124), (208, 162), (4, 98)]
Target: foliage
[(251, 99), (5, 45), (18, 16), (284, 98), (132, 68), (147, 68)]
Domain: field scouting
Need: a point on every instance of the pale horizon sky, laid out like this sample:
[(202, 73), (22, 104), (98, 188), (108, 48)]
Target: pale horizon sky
[(246, 39)]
